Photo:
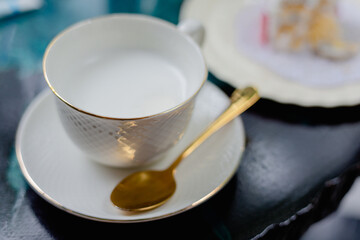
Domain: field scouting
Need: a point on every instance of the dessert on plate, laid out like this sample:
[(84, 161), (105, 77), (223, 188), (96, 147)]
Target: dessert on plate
[(313, 25)]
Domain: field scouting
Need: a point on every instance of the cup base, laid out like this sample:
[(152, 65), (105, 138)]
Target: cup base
[(126, 163)]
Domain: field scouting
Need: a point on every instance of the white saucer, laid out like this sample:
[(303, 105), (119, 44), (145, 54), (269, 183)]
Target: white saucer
[(63, 176), (226, 62)]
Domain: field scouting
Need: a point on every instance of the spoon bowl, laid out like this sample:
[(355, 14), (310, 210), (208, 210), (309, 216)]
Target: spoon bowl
[(152, 187), (146, 190)]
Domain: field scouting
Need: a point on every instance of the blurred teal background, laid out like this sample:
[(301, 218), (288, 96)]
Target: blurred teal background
[(24, 36)]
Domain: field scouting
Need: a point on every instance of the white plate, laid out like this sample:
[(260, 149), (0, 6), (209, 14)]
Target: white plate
[(63, 176), (228, 64)]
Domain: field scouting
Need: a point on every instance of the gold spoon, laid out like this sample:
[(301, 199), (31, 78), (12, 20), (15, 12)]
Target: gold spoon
[(149, 189)]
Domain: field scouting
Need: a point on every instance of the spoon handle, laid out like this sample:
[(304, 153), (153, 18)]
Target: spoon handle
[(242, 99)]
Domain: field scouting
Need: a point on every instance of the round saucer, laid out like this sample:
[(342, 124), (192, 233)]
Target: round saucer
[(62, 175)]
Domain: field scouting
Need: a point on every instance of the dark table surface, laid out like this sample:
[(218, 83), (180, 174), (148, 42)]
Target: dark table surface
[(280, 189)]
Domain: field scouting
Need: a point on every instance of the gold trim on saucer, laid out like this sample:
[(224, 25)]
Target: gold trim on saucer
[(55, 203)]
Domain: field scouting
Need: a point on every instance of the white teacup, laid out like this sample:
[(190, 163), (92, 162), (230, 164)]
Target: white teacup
[(125, 85)]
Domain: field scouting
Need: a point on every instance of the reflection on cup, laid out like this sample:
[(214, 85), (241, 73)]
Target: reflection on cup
[(125, 85)]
